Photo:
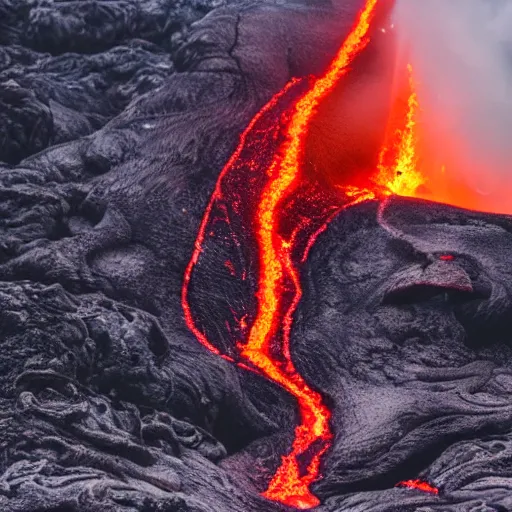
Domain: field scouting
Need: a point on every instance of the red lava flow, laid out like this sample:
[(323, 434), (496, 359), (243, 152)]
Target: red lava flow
[(281, 252)]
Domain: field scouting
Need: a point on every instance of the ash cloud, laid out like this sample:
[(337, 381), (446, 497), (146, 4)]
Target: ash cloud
[(462, 56)]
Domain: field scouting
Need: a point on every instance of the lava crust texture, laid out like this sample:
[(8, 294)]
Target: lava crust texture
[(116, 118)]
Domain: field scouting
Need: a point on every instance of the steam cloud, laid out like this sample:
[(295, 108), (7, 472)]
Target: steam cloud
[(462, 55)]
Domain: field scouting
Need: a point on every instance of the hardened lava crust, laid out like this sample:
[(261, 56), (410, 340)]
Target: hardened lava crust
[(116, 118)]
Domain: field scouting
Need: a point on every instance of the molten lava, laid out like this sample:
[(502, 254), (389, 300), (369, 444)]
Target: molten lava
[(267, 346), (398, 161), (288, 485), (279, 218), (419, 485)]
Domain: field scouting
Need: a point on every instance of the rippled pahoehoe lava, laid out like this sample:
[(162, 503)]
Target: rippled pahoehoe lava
[(282, 219)]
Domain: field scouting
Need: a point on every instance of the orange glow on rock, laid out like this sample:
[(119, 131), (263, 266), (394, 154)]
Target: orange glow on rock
[(288, 485), (419, 485), (267, 345)]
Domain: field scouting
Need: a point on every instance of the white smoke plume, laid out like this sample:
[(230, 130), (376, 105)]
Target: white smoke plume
[(461, 51)]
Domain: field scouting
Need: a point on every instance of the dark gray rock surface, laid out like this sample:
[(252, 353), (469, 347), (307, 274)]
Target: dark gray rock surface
[(116, 117)]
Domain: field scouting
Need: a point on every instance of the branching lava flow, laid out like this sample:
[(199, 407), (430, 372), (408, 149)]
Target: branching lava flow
[(282, 238)]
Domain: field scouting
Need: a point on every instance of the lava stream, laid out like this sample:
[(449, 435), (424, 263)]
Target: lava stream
[(278, 290), (275, 258)]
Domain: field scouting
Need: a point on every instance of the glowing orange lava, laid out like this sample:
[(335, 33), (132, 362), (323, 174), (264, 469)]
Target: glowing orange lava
[(198, 245), (419, 485), (398, 171), (289, 214), (288, 485), (279, 291), (410, 163)]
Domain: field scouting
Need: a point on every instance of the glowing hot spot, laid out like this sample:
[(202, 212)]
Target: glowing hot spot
[(419, 485), (280, 251)]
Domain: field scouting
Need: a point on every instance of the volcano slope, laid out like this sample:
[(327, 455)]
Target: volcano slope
[(113, 134)]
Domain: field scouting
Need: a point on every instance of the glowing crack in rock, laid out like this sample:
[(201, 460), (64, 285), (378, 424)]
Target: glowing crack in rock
[(278, 273), (419, 485)]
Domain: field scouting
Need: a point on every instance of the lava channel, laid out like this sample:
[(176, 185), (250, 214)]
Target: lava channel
[(277, 226), (267, 211), (419, 485)]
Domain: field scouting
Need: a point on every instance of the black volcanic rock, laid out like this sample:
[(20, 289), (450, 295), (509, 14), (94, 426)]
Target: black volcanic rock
[(116, 117)]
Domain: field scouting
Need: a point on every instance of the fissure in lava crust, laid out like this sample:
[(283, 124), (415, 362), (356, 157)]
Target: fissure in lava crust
[(269, 211)]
